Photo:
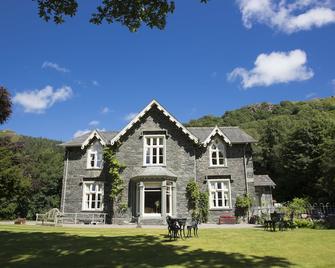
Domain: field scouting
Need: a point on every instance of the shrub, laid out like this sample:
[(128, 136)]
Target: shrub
[(298, 206), (243, 202), (203, 206), (303, 223)]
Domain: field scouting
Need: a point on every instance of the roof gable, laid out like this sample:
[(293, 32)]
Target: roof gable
[(94, 134), (152, 104), (216, 131), (234, 134)]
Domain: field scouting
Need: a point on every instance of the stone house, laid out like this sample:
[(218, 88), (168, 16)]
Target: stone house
[(160, 156)]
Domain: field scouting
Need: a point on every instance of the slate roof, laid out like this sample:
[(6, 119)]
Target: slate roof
[(234, 134), (78, 141), (263, 180)]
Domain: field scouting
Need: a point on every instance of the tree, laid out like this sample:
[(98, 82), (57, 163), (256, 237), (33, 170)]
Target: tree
[(5, 105), (296, 145), (14, 183), (130, 13)]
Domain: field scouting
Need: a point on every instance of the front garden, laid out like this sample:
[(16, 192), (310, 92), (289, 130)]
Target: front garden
[(42, 246)]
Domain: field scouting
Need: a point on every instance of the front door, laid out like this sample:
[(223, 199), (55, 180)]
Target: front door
[(154, 199)]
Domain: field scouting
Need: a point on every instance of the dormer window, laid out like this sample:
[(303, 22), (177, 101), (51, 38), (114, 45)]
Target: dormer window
[(217, 154), (154, 150), (94, 156)]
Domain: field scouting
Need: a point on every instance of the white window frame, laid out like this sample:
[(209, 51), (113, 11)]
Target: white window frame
[(96, 153), (210, 189), (217, 143), (157, 146), (89, 208)]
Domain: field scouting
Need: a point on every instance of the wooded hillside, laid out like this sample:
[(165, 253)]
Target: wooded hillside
[(31, 171), (296, 144)]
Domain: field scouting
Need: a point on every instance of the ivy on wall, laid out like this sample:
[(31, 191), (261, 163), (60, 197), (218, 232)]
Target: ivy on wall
[(197, 201), (114, 169)]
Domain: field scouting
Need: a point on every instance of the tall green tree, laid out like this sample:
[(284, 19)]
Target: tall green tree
[(5, 105), (14, 182)]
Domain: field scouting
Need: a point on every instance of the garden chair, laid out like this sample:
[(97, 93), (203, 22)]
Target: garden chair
[(173, 227), (50, 217), (193, 226)]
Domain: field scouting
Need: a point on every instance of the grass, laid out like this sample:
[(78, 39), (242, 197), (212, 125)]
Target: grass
[(39, 246)]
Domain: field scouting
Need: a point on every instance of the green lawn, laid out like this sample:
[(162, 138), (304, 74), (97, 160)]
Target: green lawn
[(37, 246)]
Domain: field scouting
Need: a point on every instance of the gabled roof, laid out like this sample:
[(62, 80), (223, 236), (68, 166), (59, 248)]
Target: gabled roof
[(216, 131), (83, 140), (147, 109), (263, 180), (94, 134), (200, 135), (233, 134)]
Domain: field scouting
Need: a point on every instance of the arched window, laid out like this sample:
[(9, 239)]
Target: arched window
[(217, 154), (94, 156)]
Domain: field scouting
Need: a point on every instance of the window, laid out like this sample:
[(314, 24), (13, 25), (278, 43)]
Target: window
[(152, 198), (217, 154), (154, 150), (219, 191), (93, 193), (94, 156)]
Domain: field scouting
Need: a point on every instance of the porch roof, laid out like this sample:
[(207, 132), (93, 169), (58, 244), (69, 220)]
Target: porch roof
[(155, 172), (263, 180)]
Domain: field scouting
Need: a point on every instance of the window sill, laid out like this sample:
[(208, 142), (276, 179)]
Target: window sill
[(92, 210), (218, 167), (162, 165), (216, 209), (97, 168)]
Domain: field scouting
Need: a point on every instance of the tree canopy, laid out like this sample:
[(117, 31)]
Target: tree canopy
[(130, 13), (30, 175), (296, 142), (5, 105)]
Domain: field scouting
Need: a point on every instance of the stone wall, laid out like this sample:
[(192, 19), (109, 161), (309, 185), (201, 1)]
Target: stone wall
[(234, 170), (179, 156), (183, 157)]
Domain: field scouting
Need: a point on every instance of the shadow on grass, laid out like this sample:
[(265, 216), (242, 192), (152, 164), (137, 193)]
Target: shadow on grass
[(61, 250)]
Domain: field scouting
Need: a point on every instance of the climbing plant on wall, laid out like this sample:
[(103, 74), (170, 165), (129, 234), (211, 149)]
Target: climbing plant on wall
[(197, 201), (114, 169)]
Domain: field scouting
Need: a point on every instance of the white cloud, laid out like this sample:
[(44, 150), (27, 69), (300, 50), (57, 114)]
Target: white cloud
[(55, 66), (274, 68), (105, 110), (130, 116), (94, 123), (79, 133), (37, 101), (288, 16)]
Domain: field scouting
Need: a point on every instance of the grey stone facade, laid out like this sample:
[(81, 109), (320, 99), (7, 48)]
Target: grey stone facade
[(186, 159)]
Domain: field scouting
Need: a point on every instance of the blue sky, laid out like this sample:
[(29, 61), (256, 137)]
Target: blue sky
[(209, 59)]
